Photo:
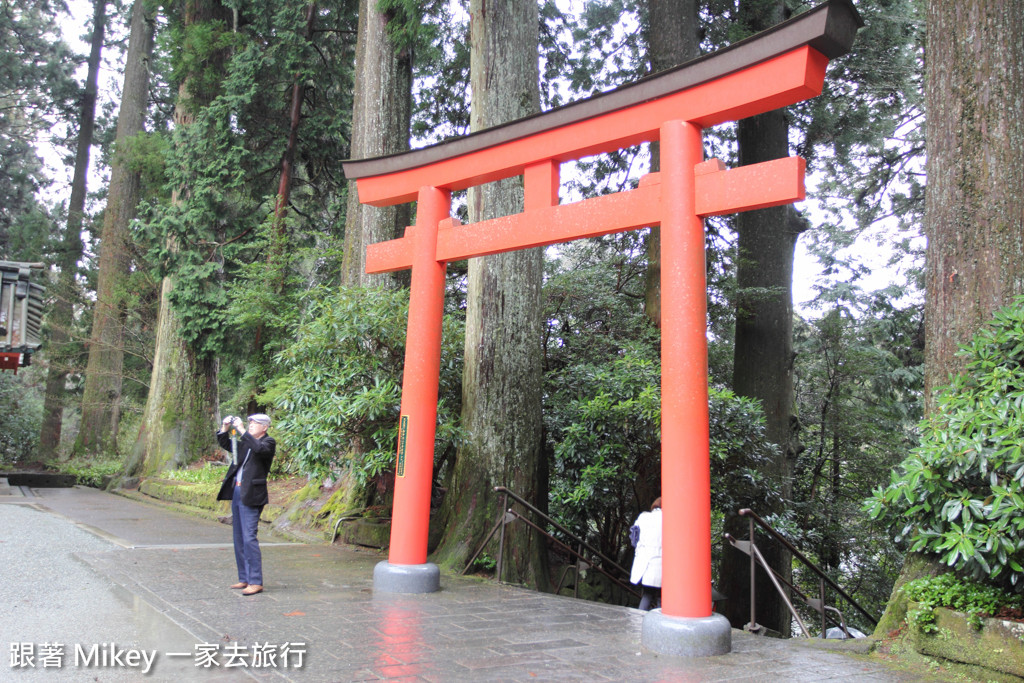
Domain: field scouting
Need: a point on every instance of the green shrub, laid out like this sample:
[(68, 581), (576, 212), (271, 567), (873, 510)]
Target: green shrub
[(338, 397), (960, 494), (21, 414), (91, 472), (606, 434), (209, 473), (947, 590), (484, 563)]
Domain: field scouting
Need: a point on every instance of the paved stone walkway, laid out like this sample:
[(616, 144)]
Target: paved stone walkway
[(319, 607)]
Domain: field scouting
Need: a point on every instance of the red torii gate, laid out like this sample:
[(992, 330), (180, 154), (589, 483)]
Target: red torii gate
[(775, 68)]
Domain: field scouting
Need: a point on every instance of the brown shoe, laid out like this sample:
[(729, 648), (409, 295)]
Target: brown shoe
[(253, 590), (240, 584)]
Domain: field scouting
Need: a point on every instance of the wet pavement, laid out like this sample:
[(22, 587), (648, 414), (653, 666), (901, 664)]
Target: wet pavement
[(103, 576)]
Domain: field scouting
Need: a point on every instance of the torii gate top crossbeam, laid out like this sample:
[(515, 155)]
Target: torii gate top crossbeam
[(747, 78)]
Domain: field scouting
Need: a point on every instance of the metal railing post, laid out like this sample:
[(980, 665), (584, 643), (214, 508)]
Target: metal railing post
[(583, 563), (782, 593), (501, 538), (499, 524), (752, 626), (824, 580), (821, 596), (576, 584)]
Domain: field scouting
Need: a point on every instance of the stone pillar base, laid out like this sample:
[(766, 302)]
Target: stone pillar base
[(406, 578), (686, 636)]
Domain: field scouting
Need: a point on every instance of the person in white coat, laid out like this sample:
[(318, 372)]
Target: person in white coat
[(647, 560)]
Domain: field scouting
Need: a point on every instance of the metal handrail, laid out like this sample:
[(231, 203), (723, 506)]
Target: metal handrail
[(817, 604), (747, 512), (508, 515), (755, 551), (529, 506), (579, 556), (754, 517)]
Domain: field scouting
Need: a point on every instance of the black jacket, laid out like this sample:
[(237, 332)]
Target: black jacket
[(254, 476)]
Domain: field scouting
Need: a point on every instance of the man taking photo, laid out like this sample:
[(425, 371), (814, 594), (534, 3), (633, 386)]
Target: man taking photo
[(245, 485)]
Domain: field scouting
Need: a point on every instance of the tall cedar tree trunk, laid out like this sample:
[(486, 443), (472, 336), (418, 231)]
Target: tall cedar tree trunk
[(62, 314), (181, 408), (501, 385), (974, 207), (672, 39), (382, 111), (101, 399), (975, 151), (763, 355), (381, 118)]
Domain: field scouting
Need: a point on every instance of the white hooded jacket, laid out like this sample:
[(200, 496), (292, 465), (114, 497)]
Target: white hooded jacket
[(647, 560)]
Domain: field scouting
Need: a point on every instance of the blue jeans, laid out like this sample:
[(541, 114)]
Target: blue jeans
[(245, 523), (650, 597)]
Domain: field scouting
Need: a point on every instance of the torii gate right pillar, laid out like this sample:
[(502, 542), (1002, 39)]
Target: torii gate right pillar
[(685, 624)]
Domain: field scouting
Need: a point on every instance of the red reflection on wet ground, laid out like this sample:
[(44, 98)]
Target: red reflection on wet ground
[(400, 650)]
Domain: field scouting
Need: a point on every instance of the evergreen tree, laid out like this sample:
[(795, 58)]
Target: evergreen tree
[(863, 139), (278, 250), (36, 87), (60, 318), (183, 391), (974, 214), (672, 39), (239, 263), (763, 355), (101, 398), (858, 381)]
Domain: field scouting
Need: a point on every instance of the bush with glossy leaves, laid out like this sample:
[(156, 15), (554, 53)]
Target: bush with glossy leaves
[(960, 494), (337, 400)]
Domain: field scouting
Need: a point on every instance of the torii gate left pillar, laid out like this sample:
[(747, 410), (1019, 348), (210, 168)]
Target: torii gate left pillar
[(785, 66), (407, 569)]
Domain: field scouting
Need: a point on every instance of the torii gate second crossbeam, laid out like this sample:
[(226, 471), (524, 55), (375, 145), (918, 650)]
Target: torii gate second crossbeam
[(778, 67)]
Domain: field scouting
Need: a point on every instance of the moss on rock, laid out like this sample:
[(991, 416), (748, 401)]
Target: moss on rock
[(914, 567), (202, 496), (371, 533), (997, 646)]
